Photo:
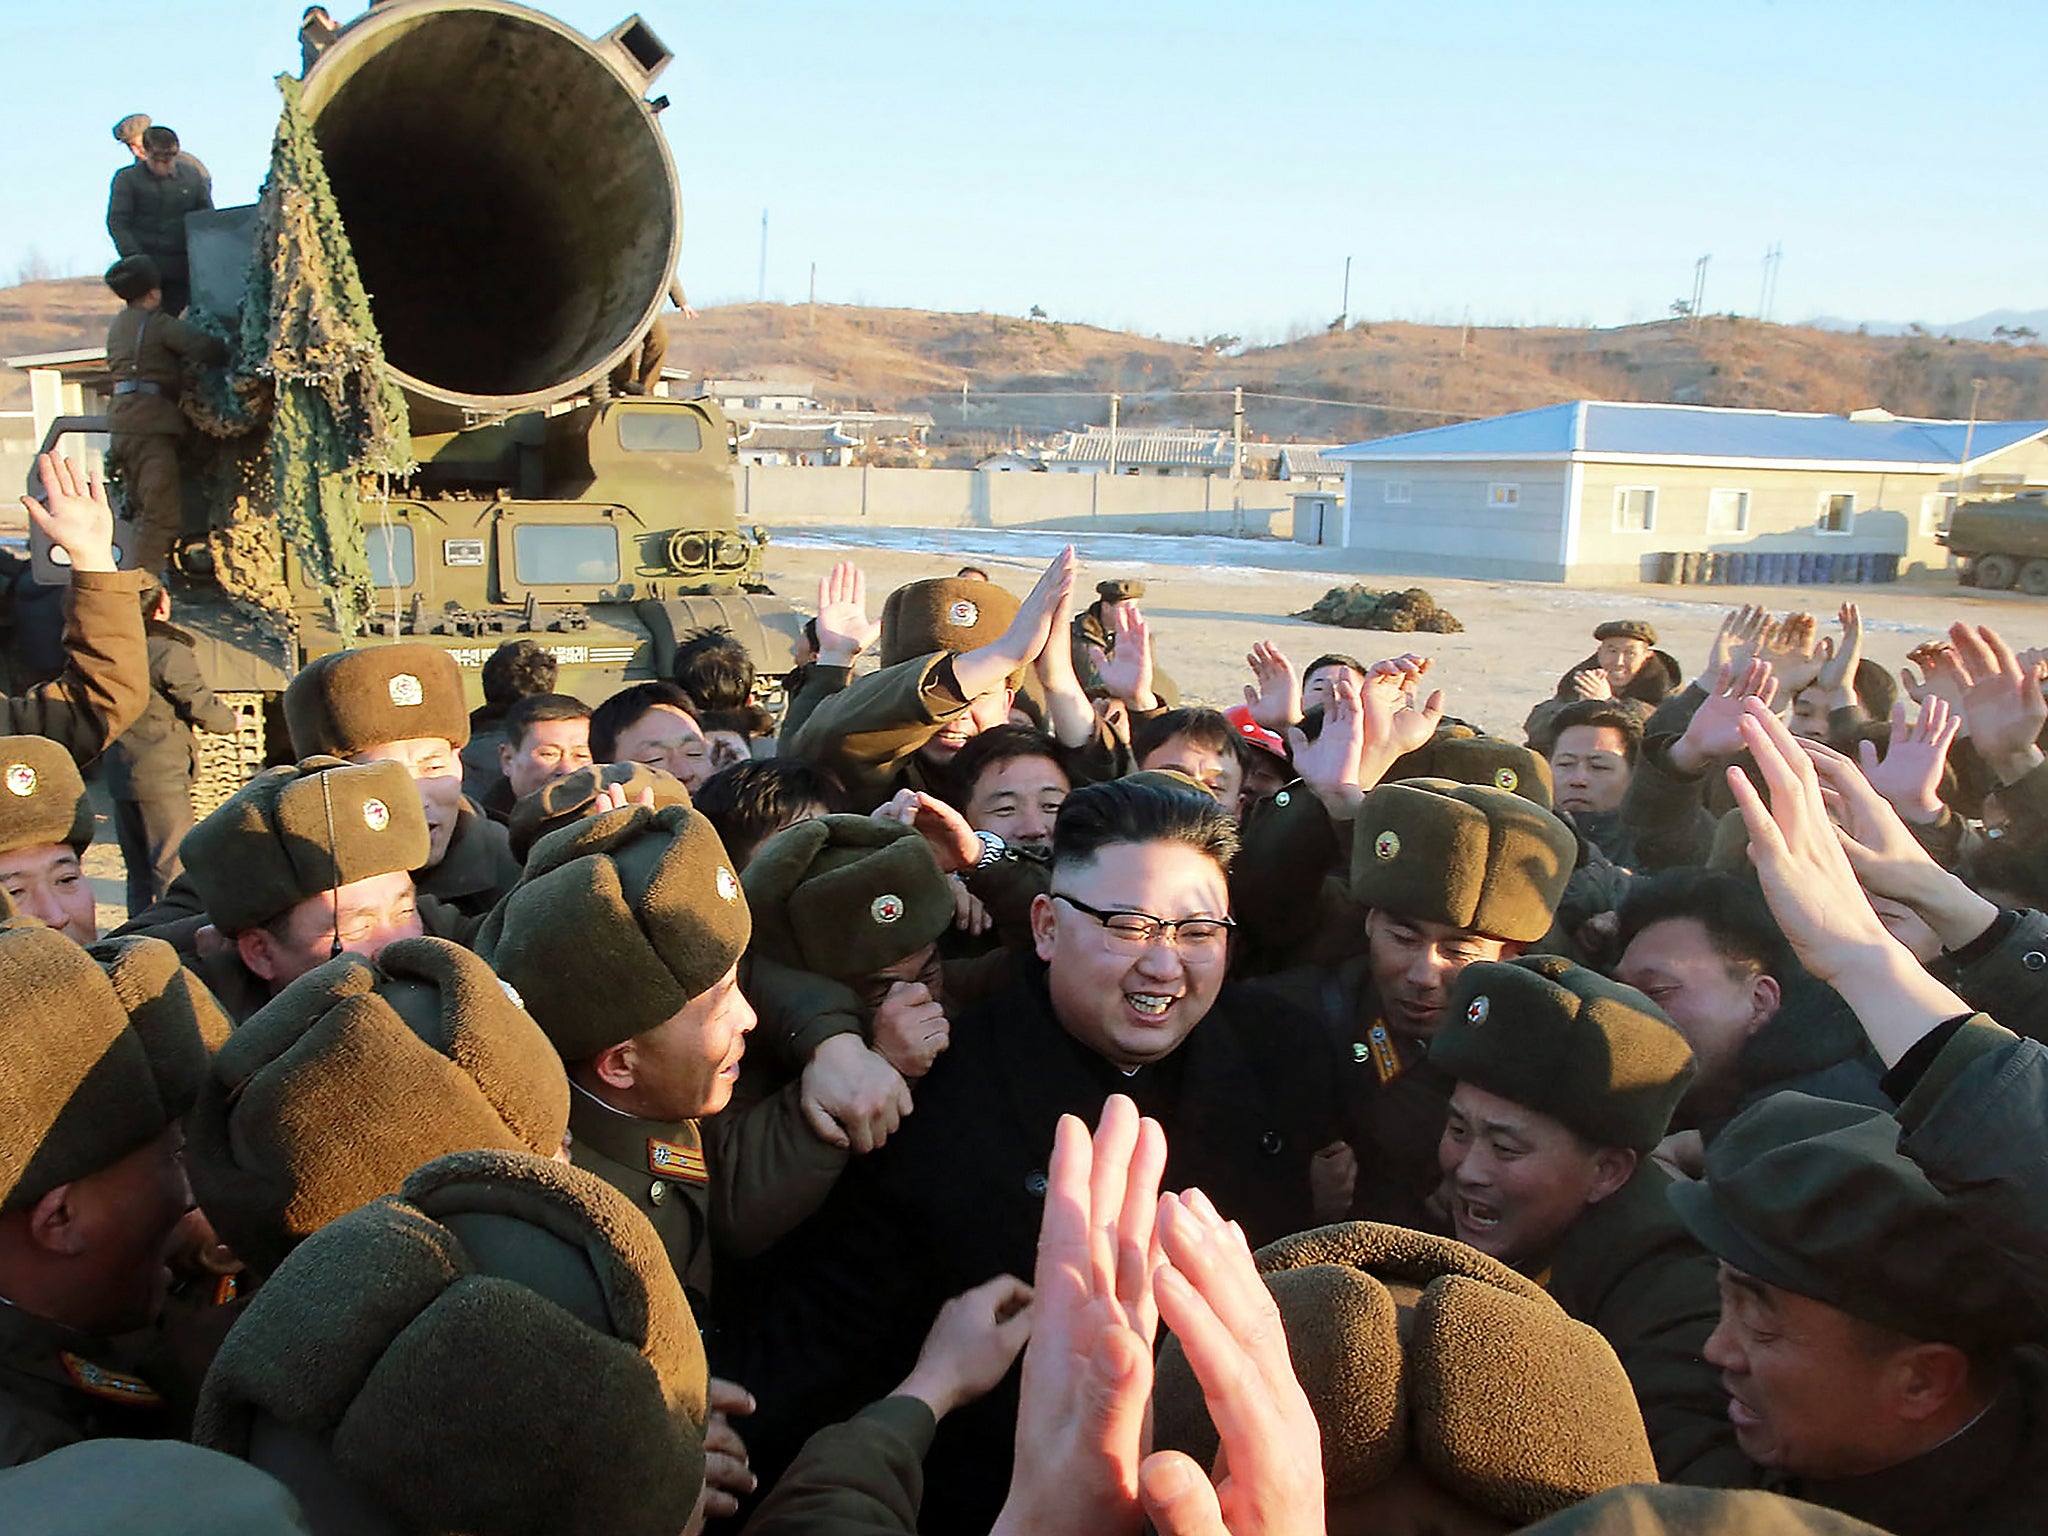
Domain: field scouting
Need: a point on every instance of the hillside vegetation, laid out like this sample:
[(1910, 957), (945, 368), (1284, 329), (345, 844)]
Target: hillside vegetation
[(1030, 375)]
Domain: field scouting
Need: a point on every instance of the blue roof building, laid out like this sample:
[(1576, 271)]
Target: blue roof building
[(1594, 491)]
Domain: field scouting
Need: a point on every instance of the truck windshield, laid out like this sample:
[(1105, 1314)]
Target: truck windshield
[(660, 432), (543, 553), (389, 549)]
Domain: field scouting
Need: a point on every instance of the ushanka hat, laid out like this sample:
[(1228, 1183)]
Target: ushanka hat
[(844, 896), (42, 796), (349, 701), (1470, 856), (567, 800), (947, 613), (501, 1348), (1416, 1347)]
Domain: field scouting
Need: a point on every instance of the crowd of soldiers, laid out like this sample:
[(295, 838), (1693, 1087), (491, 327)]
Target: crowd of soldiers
[(1002, 1095)]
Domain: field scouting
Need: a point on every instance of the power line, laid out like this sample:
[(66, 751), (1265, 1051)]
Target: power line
[(1193, 394)]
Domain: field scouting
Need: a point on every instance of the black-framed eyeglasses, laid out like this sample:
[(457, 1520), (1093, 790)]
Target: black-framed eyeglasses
[(1138, 929)]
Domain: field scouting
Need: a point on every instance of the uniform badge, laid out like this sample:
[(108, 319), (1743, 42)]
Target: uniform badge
[(114, 1386), (1386, 1061), (1386, 846), (1360, 1051), (406, 690), (376, 815), (21, 779), (963, 613), (728, 887), (673, 1160), (1506, 778), (1477, 1013), (1282, 798), (886, 909)]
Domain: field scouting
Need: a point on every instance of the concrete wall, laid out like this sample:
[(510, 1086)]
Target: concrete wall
[(1784, 515), (1448, 526), (784, 496)]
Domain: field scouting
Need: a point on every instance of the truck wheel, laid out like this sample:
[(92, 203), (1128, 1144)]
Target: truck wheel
[(223, 764), (2034, 578), (1996, 572)]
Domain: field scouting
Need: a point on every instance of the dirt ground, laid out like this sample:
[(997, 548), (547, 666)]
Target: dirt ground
[(1209, 599)]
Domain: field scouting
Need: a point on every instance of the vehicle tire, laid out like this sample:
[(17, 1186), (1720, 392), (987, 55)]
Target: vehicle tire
[(223, 764), (1996, 572), (2034, 578)]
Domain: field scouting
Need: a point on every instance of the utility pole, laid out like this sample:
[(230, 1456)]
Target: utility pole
[(1114, 402), (1699, 288), (1237, 454), (761, 293), (1969, 436), (1344, 310), (814, 295), (1763, 298), (1465, 333)]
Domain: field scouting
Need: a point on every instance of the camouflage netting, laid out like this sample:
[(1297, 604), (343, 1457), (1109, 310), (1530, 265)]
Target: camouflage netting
[(309, 412), (1357, 607)]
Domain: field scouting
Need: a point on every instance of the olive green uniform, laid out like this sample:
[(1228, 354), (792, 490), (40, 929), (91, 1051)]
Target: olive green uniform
[(105, 681), (54, 1391), (862, 1477), (147, 352), (870, 732), (1629, 1269)]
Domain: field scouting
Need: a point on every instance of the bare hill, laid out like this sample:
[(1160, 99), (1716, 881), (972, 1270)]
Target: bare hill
[(1030, 375)]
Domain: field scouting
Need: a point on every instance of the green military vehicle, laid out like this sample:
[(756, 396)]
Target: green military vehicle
[(2001, 543), (512, 207)]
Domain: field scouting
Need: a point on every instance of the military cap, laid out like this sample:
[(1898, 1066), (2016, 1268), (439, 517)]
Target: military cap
[(1567, 1042), (1466, 757), (1471, 856), (45, 799), (619, 921), (947, 613), (1673, 1509), (1413, 1346), (501, 1347), (354, 1075), (131, 127), (1127, 590), (84, 1081), (295, 832), (1627, 629), (844, 896), (133, 276), (146, 1488), (561, 802), (1815, 1197), (1253, 734), (350, 701)]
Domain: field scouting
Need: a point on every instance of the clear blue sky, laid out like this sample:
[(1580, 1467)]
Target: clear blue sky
[(1193, 168)]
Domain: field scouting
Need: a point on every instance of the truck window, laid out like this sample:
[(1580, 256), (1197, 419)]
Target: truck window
[(390, 554), (660, 432), (543, 553)]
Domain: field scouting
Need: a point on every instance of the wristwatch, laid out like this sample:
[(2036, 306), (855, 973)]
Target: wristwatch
[(992, 849)]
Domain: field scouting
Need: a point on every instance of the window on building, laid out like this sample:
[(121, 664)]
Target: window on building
[(390, 554), (1727, 511), (1396, 493), (1503, 495), (1936, 508), (1635, 508), (1837, 512), (565, 552)]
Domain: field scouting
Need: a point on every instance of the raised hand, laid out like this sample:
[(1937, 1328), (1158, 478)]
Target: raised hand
[(1734, 643), (952, 841), (1796, 652), (74, 513), (1126, 669), (2002, 700), (1268, 1479), (1813, 892), (1838, 673), (1592, 683), (844, 629), (1329, 765), (989, 667), (1275, 701), (1715, 729), (1087, 1384), (1939, 676), (1394, 723), (1909, 776)]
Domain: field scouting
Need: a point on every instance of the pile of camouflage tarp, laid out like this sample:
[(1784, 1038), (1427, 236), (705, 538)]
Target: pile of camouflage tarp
[(1358, 607)]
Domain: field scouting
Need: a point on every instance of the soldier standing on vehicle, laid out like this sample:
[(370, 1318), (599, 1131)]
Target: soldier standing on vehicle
[(147, 348), (147, 204), (149, 770)]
